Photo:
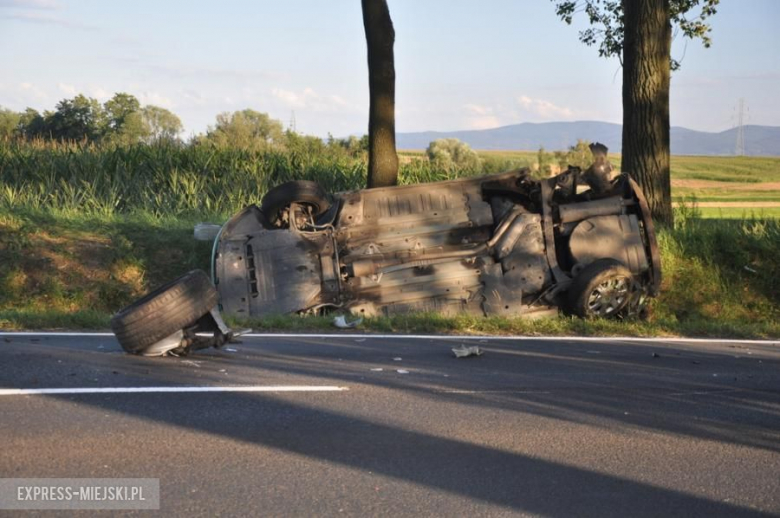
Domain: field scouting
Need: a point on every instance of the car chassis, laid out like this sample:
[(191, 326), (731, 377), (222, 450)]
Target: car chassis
[(504, 244)]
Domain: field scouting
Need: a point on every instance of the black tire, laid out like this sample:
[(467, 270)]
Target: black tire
[(601, 289), (169, 308), (299, 191)]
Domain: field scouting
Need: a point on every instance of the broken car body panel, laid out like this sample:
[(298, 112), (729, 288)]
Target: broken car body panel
[(504, 244)]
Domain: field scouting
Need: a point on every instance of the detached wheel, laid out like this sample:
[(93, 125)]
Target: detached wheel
[(602, 289), (170, 308), (300, 191)]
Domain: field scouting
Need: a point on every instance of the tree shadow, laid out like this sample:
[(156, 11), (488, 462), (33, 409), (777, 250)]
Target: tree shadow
[(570, 383)]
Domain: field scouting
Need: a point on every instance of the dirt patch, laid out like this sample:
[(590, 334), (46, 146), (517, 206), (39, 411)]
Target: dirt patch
[(84, 255), (731, 186)]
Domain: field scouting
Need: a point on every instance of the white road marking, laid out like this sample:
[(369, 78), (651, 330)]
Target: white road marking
[(160, 390), (493, 391), (593, 339)]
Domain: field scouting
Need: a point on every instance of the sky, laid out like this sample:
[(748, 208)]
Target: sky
[(460, 64)]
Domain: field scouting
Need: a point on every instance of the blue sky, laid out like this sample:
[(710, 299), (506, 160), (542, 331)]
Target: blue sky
[(460, 64)]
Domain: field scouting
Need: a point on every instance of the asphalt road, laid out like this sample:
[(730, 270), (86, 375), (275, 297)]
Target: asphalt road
[(532, 427)]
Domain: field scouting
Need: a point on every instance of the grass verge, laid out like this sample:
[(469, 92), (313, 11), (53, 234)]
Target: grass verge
[(64, 270)]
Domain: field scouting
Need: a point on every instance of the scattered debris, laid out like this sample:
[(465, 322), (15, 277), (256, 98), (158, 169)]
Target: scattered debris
[(341, 322), (464, 352), (377, 369), (191, 362), (695, 362), (402, 371), (656, 355)]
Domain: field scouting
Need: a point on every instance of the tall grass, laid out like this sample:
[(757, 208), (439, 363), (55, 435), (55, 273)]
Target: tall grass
[(171, 179)]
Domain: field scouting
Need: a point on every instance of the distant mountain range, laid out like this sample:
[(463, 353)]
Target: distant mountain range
[(759, 140)]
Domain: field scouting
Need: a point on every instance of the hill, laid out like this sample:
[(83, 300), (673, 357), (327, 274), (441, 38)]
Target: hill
[(759, 140)]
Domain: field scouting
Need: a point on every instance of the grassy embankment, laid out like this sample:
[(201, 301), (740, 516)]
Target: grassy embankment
[(85, 231)]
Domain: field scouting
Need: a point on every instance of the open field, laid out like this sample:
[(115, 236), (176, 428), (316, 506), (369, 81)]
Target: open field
[(721, 186)]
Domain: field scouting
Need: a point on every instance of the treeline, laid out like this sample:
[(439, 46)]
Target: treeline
[(123, 120)]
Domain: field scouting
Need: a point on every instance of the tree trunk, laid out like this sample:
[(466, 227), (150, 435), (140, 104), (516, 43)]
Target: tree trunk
[(646, 72), (380, 37)]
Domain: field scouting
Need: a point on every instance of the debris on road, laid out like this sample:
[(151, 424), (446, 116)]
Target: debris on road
[(397, 359), (402, 371), (464, 352), (341, 322), (377, 369)]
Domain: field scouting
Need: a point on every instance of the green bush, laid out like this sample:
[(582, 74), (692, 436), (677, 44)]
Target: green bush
[(450, 154)]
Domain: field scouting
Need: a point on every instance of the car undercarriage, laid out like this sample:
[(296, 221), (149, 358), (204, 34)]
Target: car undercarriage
[(506, 244)]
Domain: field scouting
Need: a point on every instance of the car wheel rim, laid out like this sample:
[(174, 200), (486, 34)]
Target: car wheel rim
[(609, 297)]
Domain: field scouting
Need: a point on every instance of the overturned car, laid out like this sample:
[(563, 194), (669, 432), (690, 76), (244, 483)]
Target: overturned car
[(505, 244)]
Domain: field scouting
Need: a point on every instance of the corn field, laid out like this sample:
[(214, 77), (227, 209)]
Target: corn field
[(173, 179)]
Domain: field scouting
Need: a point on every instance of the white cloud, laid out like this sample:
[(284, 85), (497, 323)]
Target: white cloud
[(485, 122), (100, 93), (21, 95), (477, 109), (289, 98), (308, 99), (480, 117), (156, 99), (193, 98), (67, 89), (543, 110)]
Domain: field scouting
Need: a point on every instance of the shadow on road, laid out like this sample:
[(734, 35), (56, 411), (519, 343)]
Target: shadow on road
[(674, 392)]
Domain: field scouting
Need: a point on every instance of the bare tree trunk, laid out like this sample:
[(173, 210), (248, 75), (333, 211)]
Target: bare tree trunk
[(380, 37), (646, 72)]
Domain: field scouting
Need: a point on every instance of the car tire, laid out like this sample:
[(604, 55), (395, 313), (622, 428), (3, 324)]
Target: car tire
[(159, 314), (299, 191), (601, 289)]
